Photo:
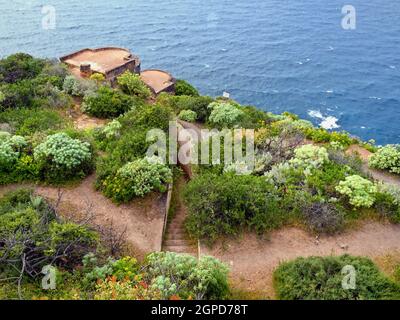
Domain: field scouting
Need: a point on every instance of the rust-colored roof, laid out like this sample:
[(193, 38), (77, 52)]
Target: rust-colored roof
[(101, 60), (158, 80)]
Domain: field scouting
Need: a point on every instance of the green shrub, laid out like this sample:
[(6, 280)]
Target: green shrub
[(60, 157), (188, 115), (225, 204), (21, 94), (16, 165), (55, 73), (124, 290), (30, 231), (18, 67), (10, 148), (107, 103), (112, 129), (53, 97), (224, 114), (342, 138), (387, 206), (283, 174), (320, 278), (318, 135), (352, 161), (309, 157), (98, 77), (321, 135), (8, 156), (186, 277), (129, 142), (323, 218), (79, 87), (254, 118), (63, 234), (386, 158), (361, 192), (136, 179), (26, 82), (238, 167), (183, 88), (147, 117), (324, 180), (125, 268), (131, 84), (180, 103), (26, 122), (387, 203)]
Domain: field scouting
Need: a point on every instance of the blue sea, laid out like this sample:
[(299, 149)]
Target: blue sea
[(275, 54)]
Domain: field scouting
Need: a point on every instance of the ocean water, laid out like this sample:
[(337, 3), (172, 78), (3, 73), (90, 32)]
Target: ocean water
[(275, 54)]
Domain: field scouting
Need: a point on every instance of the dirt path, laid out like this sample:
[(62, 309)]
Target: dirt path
[(252, 260), (376, 174), (142, 218)]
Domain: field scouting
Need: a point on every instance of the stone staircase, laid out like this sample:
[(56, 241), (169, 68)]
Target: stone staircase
[(176, 239)]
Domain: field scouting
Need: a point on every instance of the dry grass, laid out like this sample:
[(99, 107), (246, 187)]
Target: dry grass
[(389, 264)]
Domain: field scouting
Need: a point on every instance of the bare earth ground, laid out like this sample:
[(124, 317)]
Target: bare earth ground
[(252, 260), (142, 218), (82, 121)]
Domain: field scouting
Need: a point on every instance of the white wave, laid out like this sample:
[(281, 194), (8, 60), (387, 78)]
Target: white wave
[(299, 62), (329, 91), (392, 67), (328, 122), (375, 98), (315, 114), (331, 48)]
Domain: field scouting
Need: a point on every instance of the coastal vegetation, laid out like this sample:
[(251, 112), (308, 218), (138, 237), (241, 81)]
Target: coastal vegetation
[(303, 176), (386, 158)]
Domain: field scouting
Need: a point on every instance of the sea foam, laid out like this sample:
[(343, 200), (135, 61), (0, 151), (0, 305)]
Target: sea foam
[(327, 122)]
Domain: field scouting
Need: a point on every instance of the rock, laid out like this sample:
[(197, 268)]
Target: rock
[(344, 246)]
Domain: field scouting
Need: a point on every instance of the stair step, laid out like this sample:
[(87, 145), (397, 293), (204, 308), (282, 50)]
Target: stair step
[(178, 249), (176, 236), (176, 232), (176, 242), (177, 223), (176, 227)]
